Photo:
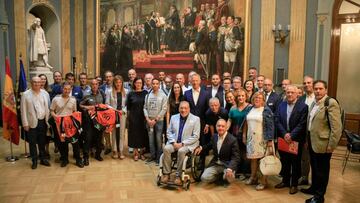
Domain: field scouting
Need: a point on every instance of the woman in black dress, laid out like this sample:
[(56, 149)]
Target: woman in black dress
[(176, 96), (137, 135)]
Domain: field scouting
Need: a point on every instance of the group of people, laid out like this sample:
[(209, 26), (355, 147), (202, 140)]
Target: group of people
[(238, 121), (210, 32)]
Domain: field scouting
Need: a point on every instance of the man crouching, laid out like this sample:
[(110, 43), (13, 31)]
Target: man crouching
[(226, 155)]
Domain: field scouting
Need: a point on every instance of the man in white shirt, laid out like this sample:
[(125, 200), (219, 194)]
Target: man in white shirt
[(308, 98), (34, 109), (216, 90), (226, 155)]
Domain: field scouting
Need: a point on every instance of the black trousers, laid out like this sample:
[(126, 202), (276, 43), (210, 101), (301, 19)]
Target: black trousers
[(64, 150), (291, 167), (320, 169), (37, 139), (147, 43), (92, 137), (244, 163)]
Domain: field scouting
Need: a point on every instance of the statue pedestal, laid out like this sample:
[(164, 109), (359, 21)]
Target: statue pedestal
[(35, 71)]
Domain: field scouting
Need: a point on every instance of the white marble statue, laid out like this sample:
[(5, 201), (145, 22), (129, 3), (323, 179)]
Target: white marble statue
[(38, 46)]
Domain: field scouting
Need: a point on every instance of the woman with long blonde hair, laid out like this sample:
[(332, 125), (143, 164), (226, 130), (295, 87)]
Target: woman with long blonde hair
[(116, 98)]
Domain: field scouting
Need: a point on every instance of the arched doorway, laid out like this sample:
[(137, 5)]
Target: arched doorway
[(51, 25), (344, 67)]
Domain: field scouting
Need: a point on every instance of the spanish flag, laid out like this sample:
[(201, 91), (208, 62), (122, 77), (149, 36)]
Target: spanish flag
[(10, 122)]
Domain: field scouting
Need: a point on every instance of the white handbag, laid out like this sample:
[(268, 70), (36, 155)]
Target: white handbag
[(270, 164)]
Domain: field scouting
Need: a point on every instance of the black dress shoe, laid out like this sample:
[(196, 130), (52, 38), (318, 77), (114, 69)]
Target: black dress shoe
[(99, 158), (86, 161), (308, 191), (315, 200), (293, 190), (34, 164), (64, 163), (45, 162), (281, 185), (79, 163)]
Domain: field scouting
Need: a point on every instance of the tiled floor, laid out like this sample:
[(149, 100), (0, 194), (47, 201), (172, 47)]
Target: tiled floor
[(129, 181)]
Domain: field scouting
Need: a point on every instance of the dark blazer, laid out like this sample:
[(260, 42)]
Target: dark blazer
[(229, 153), (273, 101), (219, 94), (297, 121), (302, 98), (202, 105), (76, 92)]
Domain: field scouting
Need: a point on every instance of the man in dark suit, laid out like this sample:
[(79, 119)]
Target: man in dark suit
[(76, 90), (272, 99), (216, 90), (226, 155), (198, 100), (290, 122), (57, 76)]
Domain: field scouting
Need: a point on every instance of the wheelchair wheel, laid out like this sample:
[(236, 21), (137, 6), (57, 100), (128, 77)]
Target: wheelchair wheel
[(158, 180), (186, 185), (196, 168)]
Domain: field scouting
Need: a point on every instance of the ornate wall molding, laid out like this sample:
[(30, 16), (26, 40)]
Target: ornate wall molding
[(322, 17)]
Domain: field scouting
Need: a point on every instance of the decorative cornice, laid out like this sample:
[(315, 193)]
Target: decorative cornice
[(4, 27), (322, 17)]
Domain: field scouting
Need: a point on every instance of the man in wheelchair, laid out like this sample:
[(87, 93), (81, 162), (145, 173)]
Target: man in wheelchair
[(226, 155), (183, 136)]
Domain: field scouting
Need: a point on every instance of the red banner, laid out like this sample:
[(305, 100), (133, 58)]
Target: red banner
[(10, 122)]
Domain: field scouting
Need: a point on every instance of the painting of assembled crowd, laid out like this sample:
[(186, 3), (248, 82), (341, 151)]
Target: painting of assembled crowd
[(204, 31)]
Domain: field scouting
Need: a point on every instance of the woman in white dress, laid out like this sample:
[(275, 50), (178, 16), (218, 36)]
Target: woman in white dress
[(257, 135)]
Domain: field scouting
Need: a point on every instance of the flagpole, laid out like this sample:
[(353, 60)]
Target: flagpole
[(11, 158), (25, 154)]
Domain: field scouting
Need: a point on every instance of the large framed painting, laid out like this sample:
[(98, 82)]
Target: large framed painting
[(171, 36)]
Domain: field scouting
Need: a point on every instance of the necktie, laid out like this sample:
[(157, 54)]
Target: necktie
[(181, 127)]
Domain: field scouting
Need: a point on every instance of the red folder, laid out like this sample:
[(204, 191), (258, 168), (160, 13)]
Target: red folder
[(291, 147)]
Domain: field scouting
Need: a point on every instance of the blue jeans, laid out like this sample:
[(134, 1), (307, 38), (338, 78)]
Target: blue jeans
[(155, 139)]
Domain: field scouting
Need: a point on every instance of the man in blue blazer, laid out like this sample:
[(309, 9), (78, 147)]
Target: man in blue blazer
[(76, 90), (109, 76), (198, 100), (290, 121), (272, 99)]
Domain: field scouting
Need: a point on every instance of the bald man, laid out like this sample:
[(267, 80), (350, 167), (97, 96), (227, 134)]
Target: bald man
[(34, 107), (226, 155), (290, 123), (272, 99)]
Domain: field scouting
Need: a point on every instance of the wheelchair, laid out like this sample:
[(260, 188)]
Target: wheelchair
[(191, 163)]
